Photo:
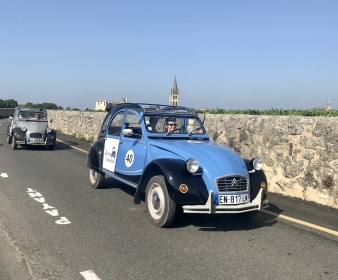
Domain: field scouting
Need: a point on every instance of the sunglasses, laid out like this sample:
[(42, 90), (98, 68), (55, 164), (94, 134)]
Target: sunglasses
[(171, 124)]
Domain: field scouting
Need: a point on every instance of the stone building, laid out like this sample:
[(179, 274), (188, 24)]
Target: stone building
[(102, 104), (174, 94)]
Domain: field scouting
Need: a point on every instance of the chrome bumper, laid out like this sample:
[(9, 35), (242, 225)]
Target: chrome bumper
[(34, 143), (209, 208)]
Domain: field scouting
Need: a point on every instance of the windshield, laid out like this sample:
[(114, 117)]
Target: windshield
[(32, 115), (174, 125)]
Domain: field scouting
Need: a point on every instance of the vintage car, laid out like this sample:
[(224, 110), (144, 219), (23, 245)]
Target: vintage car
[(165, 153), (30, 127)]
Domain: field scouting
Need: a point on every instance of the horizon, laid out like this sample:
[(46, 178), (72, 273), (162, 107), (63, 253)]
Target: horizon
[(228, 55)]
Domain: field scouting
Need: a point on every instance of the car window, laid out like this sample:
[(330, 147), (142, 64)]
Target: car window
[(180, 125), (116, 124), (132, 121)]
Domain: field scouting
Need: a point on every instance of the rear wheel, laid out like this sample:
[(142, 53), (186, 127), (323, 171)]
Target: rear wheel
[(14, 145), (161, 207), (96, 179)]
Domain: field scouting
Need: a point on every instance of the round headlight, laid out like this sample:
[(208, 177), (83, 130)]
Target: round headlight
[(192, 165), (23, 128), (257, 163), (48, 130)]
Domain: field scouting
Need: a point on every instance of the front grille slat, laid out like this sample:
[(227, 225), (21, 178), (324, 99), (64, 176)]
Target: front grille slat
[(232, 184)]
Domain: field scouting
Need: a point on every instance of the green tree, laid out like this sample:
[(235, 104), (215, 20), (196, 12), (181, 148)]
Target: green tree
[(11, 103), (68, 108)]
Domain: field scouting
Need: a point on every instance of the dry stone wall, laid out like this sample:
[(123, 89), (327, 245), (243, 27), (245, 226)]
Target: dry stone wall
[(300, 153)]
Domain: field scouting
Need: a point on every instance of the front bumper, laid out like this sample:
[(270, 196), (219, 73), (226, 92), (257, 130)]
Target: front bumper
[(209, 208), (35, 143)]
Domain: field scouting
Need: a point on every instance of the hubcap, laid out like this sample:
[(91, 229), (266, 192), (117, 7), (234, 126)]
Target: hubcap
[(92, 176), (156, 202)]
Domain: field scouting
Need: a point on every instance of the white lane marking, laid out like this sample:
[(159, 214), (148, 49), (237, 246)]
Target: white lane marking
[(4, 175), (53, 212), (89, 275)]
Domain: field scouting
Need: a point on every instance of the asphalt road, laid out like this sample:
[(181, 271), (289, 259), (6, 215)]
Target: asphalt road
[(53, 225)]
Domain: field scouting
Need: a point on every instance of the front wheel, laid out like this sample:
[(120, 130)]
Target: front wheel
[(161, 207), (96, 179), (14, 145), (9, 139), (51, 147)]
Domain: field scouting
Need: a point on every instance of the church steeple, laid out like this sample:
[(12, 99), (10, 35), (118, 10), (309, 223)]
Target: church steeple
[(174, 94)]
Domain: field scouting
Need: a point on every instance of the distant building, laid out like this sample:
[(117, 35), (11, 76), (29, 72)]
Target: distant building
[(329, 105), (102, 104), (174, 94)]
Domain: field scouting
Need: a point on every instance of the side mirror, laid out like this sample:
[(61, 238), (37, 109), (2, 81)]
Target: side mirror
[(127, 132), (51, 120), (215, 135), (10, 118)]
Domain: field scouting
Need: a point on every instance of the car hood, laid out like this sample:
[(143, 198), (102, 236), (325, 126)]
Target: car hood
[(215, 159), (37, 127)]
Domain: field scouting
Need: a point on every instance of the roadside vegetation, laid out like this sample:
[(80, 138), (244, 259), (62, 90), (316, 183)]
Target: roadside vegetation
[(276, 112), (316, 112)]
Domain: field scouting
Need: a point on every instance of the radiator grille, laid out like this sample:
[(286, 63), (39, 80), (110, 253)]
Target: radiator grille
[(36, 135), (232, 184)]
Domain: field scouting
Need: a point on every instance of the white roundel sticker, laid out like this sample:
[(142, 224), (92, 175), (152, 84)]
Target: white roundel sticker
[(129, 158)]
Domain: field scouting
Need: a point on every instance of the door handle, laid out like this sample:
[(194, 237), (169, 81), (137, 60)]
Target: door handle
[(105, 138), (121, 141)]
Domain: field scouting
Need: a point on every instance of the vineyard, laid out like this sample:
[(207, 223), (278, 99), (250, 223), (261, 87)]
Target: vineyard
[(275, 112)]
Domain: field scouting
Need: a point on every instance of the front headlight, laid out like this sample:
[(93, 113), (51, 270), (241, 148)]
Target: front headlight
[(48, 130), (257, 163), (23, 128), (192, 165)]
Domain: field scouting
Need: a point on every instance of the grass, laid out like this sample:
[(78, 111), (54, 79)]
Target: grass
[(82, 138)]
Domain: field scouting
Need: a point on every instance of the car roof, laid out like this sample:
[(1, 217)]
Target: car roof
[(155, 109)]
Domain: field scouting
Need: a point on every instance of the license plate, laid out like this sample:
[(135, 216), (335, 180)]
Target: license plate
[(35, 140), (233, 199)]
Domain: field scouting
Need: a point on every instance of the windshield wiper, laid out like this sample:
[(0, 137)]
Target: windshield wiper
[(194, 130)]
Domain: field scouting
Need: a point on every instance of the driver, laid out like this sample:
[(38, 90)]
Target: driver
[(170, 124)]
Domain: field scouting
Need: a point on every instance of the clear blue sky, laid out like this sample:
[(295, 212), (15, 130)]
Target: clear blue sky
[(238, 54)]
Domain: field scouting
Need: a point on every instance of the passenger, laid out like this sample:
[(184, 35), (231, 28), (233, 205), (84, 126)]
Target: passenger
[(170, 124)]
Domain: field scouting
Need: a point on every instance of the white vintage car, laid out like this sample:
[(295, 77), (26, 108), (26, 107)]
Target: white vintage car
[(30, 127)]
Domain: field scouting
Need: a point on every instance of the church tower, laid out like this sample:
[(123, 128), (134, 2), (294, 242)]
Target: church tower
[(328, 105), (174, 94)]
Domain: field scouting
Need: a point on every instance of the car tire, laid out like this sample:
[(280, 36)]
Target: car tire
[(51, 147), (9, 139), (96, 179), (161, 207), (247, 215), (14, 145)]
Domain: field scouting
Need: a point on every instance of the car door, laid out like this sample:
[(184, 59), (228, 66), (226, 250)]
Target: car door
[(132, 149), (112, 142)]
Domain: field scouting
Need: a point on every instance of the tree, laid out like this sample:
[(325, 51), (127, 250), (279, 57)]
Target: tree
[(68, 108), (11, 103)]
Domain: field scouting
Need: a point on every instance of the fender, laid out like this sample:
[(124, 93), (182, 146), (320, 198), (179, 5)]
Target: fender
[(256, 179), (49, 136), (175, 174), (18, 134), (95, 156)]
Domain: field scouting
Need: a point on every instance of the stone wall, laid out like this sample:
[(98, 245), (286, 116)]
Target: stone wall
[(300, 153), (6, 112)]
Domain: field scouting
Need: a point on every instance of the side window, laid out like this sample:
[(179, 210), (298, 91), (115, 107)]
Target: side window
[(105, 123), (116, 124), (132, 121)]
